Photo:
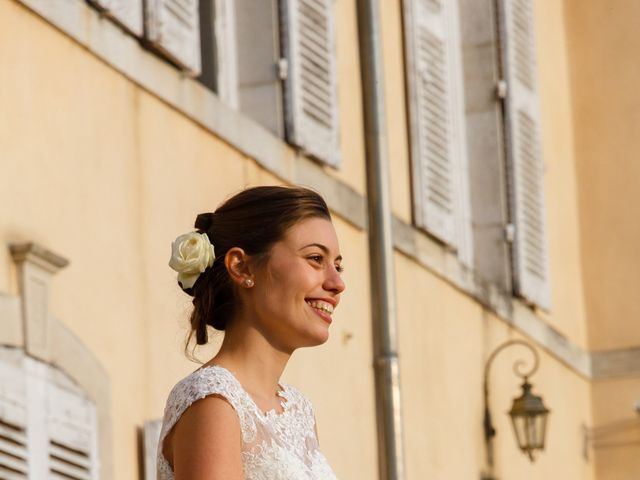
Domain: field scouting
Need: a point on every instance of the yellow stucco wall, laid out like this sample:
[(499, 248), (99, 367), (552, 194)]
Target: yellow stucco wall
[(616, 435), (101, 171), (104, 173), (445, 340), (565, 261), (606, 110)]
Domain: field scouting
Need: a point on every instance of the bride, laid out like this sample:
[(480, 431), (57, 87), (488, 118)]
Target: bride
[(264, 268)]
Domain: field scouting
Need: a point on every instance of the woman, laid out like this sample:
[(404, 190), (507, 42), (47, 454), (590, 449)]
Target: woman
[(271, 281)]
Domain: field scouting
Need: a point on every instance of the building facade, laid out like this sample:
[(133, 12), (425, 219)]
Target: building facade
[(510, 144)]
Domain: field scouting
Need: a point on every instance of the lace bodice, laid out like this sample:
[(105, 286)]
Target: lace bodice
[(275, 446)]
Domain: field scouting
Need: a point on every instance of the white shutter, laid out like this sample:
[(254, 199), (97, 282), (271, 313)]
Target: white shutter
[(173, 27), (308, 42), (14, 460), (127, 13), (524, 156), (439, 164), (72, 435)]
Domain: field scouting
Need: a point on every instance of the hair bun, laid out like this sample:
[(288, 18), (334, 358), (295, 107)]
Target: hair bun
[(204, 221)]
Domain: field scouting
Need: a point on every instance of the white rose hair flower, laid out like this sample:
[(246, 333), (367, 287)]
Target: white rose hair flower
[(191, 254)]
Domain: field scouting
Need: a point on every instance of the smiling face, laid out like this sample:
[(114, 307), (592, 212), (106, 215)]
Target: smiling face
[(299, 287)]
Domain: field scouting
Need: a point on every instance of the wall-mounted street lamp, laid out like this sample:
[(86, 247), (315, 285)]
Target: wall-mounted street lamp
[(528, 413)]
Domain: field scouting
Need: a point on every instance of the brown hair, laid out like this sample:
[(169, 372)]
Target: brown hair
[(253, 219)]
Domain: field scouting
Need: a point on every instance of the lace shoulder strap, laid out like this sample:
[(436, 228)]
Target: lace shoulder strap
[(201, 383), (303, 409)]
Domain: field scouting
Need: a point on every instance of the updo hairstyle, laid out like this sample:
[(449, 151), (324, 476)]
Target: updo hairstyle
[(253, 219)]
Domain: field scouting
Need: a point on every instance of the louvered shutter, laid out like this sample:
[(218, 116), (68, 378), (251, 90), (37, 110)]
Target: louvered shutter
[(524, 155), (173, 27), (440, 190), (308, 42), (14, 459), (71, 431), (127, 13)]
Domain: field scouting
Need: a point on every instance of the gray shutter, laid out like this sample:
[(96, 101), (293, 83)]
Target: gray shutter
[(173, 27), (127, 13), (14, 459), (308, 41), (72, 435), (524, 155), (439, 165)]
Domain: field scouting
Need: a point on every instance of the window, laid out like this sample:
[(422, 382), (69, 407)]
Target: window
[(524, 154), (308, 45), (218, 49), (127, 13), (48, 427), (437, 130), (503, 136), (172, 27), (275, 62)]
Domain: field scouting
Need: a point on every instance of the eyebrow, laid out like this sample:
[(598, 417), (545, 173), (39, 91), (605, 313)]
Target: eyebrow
[(321, 247)]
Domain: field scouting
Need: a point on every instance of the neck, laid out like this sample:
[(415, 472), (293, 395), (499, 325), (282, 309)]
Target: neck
[(256, 363)]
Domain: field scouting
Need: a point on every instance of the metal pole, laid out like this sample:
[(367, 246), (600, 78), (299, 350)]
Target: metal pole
[(383, 302)]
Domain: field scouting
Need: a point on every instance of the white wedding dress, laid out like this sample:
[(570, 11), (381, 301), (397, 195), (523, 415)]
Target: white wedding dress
[(275, 446)]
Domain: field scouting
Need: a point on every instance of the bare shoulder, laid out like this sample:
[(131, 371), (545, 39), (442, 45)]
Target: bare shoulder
[(205, 443)]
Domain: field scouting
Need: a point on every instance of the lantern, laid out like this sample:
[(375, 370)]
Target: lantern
[(529, 419)]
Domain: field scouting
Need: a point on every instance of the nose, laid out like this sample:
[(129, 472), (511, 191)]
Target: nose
[(333, 282)]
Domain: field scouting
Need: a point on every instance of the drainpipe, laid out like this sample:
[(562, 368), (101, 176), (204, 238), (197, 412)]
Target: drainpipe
[(383, 302)]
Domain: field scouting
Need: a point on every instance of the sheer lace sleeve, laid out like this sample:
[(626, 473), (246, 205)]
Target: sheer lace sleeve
[(195, 387)]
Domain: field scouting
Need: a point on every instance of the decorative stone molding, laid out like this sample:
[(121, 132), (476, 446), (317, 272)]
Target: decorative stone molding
[(27, 324), (11, 331), (36, 265), (615, 363)]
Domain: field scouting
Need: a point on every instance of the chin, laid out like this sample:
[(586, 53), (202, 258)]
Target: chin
[(317, 339)]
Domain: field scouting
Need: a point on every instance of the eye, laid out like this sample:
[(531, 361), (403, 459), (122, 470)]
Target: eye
[(316, 258), (339, 268)]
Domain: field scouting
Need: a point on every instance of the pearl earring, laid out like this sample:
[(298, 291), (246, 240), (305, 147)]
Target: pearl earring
[(248, 282)]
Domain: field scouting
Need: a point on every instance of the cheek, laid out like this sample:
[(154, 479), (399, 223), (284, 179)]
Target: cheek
[(292, 275)]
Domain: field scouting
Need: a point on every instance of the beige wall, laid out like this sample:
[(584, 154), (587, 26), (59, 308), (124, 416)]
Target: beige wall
[(616, 436), (606, 109), (445, 340), (568, 310), (606, 112), (106, 173)]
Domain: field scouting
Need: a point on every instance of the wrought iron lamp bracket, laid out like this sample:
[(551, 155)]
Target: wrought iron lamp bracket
[(489, 430)]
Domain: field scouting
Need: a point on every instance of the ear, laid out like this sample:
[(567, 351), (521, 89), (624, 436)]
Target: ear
[(237, 263)]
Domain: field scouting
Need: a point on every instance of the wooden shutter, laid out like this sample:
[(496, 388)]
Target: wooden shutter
[(14, 459), (524, 155), (173, 28), (437, 132), (127, 13), (307, 31), (71, 432)]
